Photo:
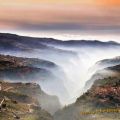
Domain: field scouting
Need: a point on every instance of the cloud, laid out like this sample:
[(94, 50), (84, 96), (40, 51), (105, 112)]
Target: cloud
[(60, 15)]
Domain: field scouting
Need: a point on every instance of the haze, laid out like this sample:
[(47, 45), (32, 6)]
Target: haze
[(91, 17)]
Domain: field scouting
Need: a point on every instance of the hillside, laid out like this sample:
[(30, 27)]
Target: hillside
[(30, 45), (16, 43), (16, 104), (43, 72), (25, 69), (102, 67), (61, 69), (100, 102), (105, 63)]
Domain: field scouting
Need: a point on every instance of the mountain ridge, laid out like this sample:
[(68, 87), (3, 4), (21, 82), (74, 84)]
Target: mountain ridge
[(52, 40)]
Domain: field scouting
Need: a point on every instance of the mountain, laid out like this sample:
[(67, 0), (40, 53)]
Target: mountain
[(31, 62), (71, 60), (24, 101), (29, 93), (109, 62), (45, 73), (101, 101), (102, 67), (12, 42), (18, 68), (80, 43), (105, 63), (15, 42)]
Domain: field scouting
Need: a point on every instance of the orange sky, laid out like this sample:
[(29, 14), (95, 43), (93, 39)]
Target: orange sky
[(66, 2), (15, 14)]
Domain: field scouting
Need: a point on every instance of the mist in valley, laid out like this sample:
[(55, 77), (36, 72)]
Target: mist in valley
[(73, 71)]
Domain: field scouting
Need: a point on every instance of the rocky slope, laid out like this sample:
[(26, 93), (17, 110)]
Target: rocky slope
[(18, 68), (31, 62), (45, 73), (18, 102), (102, 68), (100, 102)]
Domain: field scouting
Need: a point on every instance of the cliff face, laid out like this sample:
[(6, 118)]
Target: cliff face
[(47, 102), (100, 102), (45, 73), (18, 69), (22, 70), (18, 102)]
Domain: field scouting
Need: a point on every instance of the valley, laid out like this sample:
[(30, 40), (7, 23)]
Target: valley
[(48, 79)]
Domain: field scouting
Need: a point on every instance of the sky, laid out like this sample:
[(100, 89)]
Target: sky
[(52, 18)]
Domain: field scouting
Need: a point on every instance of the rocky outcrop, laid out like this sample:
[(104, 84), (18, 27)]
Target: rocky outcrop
[(27, 101), (26, 69), (18, 102), (12, 61), (18, 69), (101, 101)]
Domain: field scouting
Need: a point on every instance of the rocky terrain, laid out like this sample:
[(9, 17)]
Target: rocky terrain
[(103, 67), (18, 101), (33, 70), (21, 99), (43, 72), (100, 102), (26, 69)]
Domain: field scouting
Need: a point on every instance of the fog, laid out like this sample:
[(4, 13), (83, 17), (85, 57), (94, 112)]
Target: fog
[(74, 68), (77, 70)]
